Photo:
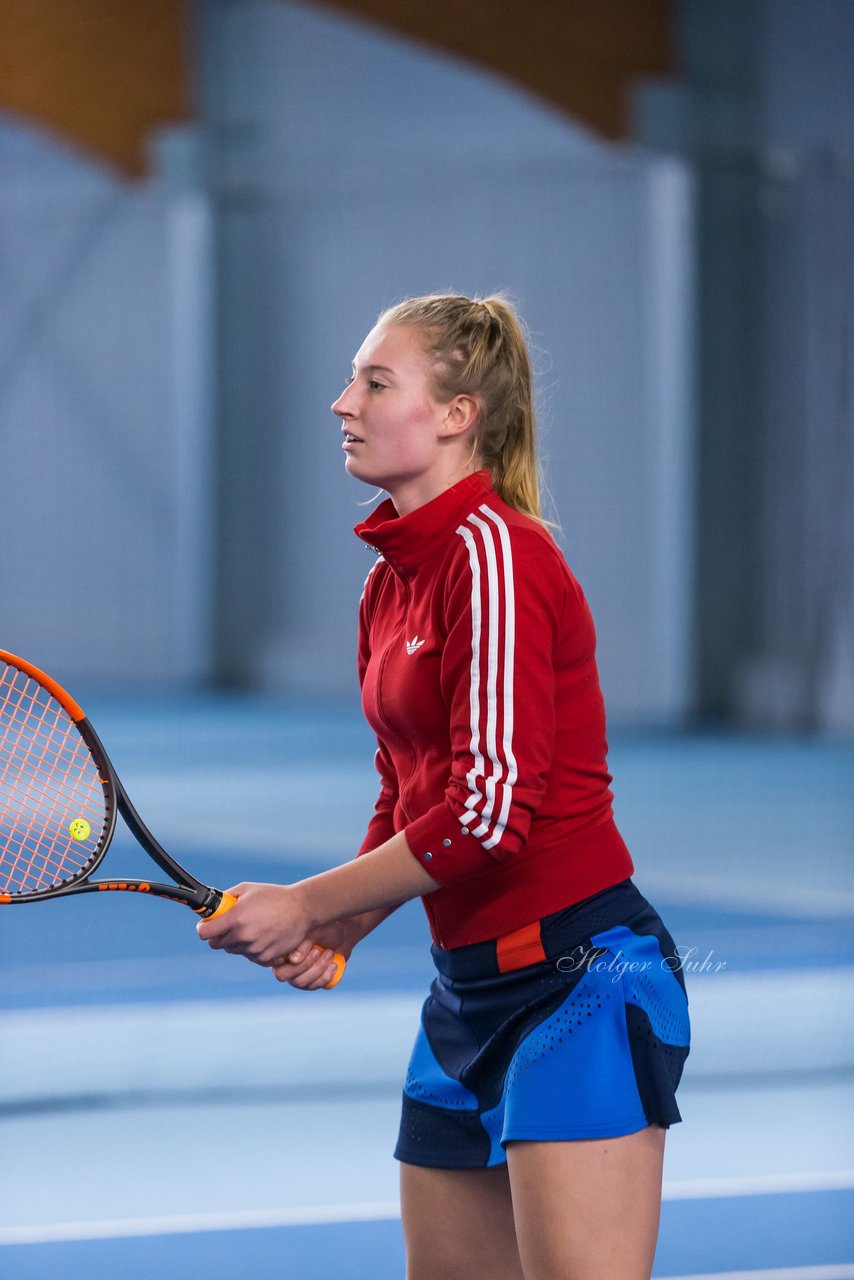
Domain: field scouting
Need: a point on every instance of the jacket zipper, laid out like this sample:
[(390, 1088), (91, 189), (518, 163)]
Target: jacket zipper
[(400, 634)]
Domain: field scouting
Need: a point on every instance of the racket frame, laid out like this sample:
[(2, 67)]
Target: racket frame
[(186, 889)]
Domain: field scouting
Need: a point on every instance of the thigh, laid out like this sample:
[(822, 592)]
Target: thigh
[(458, 1224), (588, 1208)]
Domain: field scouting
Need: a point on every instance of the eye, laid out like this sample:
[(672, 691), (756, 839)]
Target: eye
[(376, 386)]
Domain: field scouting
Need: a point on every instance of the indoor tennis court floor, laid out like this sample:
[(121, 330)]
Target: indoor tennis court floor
[(167, 1111)]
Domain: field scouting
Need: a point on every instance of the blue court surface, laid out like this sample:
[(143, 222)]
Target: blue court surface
[(167, 1111)]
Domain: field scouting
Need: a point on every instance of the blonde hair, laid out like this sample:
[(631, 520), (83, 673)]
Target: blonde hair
[(479, 349)]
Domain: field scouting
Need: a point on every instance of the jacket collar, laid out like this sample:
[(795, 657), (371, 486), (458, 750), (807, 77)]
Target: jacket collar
[(407, 541)]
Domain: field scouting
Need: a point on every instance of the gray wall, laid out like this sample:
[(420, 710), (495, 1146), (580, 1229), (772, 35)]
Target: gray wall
[(351, 169), (764, 116), (102, 408), (801, 670), (171, 351), (173, 495), (168, 353)]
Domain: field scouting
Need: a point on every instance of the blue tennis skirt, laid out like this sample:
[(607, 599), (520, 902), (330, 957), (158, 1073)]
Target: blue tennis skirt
[(574, 1027)]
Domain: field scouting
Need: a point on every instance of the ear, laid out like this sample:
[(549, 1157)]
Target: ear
[(460, 416)]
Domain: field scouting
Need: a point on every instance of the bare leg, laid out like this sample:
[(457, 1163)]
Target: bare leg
[(588, 1208), (458, 1224)]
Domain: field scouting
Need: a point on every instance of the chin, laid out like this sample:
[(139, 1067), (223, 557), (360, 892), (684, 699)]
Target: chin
[(353, 468)]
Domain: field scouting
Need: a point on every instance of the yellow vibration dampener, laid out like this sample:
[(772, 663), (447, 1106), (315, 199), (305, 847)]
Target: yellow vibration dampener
[(80, 829)]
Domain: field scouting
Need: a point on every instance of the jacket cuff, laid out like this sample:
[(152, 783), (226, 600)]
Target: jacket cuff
[(446, 848)]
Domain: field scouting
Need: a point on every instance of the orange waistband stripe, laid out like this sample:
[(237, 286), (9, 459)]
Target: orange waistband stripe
[(520, 948)]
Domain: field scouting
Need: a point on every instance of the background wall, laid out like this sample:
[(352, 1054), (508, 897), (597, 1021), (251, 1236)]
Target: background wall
[(327, 206), (764, 115), (169, 348), (102, 408)]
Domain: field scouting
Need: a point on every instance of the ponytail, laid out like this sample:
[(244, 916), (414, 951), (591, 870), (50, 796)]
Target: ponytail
[(479, 349)]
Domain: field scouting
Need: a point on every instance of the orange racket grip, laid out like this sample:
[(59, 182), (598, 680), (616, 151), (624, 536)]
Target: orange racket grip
[(226, 903), (340, 965)]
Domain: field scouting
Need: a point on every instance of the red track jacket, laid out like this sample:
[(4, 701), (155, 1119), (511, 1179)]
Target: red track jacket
[(478, 674)]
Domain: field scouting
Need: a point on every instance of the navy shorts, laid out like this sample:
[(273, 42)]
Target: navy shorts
[(573, 1027)]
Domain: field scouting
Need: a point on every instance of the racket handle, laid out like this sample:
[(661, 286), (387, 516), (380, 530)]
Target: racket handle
[(228, 901)]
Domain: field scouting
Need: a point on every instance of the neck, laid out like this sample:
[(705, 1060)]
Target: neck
[(416, 492)]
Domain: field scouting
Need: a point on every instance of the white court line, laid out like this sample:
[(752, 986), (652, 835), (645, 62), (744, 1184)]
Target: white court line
[(77, 974), (759, 1185), (778, 1273), (385, 1210), (798, 901), (191, 1223)]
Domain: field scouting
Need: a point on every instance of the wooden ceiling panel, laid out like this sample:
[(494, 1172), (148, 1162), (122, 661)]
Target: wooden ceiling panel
[(104, 73), (578, 55)]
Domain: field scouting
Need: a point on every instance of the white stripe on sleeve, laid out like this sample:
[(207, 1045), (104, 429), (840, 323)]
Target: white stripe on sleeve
[(476, 770), (498, 586), (509, 661)]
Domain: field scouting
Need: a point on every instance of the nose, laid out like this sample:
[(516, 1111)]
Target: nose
[(341, 406)]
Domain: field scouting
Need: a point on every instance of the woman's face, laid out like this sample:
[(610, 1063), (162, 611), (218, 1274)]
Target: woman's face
[(392, 423)]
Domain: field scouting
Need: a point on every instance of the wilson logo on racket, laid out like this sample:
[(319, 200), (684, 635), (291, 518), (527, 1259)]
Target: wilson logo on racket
[(59, 798), (133, 887)]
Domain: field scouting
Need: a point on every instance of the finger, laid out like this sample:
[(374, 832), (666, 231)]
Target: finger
[(266, 956), (299, 962), (307, 982), (314, 970), (228, 939), (325, 978), (292, 965), (215, 925), (216, 933), (300, 957), (218, 929)]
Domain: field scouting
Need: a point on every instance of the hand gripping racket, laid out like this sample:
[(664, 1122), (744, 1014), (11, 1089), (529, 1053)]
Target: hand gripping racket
[(59, 796)]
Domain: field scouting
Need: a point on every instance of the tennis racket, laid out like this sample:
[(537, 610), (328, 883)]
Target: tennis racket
[(59, 799)]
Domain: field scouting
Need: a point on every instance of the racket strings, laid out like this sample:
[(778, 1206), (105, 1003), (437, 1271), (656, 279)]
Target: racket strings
[(49, 787), (34, 854), (42, 781)]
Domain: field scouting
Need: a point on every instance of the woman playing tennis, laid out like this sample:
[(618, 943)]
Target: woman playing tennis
[(543, 1075)]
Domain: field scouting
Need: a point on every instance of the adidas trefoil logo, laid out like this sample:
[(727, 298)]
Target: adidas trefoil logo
[(413, 644)]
